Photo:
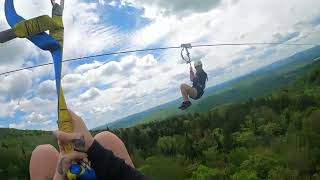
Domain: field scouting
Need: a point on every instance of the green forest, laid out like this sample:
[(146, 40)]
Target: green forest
[(274, 137)]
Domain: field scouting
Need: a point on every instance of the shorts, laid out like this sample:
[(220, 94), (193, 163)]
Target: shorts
[(199, 93)]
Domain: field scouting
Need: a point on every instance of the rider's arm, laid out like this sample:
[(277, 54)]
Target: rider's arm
[(192, 76), (108, 166), (62, 4)]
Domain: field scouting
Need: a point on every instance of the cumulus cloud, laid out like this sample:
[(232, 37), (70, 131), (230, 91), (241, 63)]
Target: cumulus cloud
[(7, 109), (282, 38), (16, 85), (38, 105), (47, 89), (95, 74), (86, 67), (85, 32), (147, 61), (315, 21), (102, 110), (37, 118), (89, 95), (175, 7)]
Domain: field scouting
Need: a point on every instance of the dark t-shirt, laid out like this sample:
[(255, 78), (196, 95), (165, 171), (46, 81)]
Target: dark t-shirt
[(107, 166), (199, 82)]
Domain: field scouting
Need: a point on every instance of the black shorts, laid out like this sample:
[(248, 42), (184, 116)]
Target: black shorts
[(199, 93)]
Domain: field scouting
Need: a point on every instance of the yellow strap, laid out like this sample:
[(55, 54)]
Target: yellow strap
[(64, 123)]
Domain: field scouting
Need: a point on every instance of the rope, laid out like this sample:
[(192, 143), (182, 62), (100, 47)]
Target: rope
[(158, 49)]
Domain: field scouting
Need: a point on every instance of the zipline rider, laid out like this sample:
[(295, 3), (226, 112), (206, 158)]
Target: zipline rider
[(198, 80)]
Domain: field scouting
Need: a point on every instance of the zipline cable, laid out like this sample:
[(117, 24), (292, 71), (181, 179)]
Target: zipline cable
[(158, 49)]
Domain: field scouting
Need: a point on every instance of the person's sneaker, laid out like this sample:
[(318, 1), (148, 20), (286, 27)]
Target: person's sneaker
[(182, 104), (185, 105)]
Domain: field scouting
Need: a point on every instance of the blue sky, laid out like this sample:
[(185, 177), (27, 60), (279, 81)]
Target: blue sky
[(131, 83)]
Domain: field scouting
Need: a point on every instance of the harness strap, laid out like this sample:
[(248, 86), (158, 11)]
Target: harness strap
[(186, 47)]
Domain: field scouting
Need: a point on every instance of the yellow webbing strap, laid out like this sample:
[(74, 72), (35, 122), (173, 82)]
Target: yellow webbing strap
[(64, 122)]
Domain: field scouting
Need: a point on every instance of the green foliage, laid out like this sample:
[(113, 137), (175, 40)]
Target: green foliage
[(245, 138), (281, 173), (137, 158), (205, 173), (214, 158), (168, 145), (160, 167), (15, 150), (244, 174), (238, 155), (260, 164), (12, 170)]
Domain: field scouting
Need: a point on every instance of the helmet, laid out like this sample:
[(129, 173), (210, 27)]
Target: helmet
[(197, 63)]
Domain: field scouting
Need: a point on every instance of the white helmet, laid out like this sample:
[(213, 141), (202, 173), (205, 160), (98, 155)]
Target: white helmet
[(197, 63)]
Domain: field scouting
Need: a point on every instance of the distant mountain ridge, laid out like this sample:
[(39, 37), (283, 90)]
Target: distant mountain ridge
[(279, 68)]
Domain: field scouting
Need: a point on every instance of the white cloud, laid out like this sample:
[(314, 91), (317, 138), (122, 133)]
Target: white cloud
[(154, 8), (147, 61), (47, 89), (32, 123), (16, 85), (13, 126), (36, 118), (85, 33), (38, 105), (90, 95), (130, 68), (7, 109), (86, 67)]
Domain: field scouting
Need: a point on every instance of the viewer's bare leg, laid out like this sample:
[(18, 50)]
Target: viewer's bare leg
[(43, 162), (44, 158), (111, 142)]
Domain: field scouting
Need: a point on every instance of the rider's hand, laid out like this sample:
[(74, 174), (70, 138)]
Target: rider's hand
[(81, 137), (65, 162)]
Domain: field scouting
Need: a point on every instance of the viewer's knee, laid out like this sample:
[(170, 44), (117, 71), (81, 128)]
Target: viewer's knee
[(108, 139), (44, 149), (105, 135), (111, 142), (43, 162)]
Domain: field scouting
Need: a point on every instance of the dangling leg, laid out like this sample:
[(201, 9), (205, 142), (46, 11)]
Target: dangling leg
[(7, 35), (187, 91)]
